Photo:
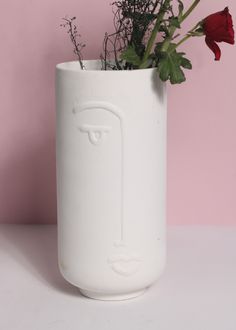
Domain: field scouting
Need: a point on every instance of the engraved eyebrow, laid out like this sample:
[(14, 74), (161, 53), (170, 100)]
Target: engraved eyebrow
[(86, 128)]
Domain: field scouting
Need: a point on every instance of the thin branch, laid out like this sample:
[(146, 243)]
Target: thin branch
[(73, 33)]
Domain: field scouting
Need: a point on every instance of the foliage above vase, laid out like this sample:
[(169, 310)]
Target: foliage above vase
[(148, 35)]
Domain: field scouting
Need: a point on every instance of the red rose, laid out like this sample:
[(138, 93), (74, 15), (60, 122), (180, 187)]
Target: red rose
[(218, 27)]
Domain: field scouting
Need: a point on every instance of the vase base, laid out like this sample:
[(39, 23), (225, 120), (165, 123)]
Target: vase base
[(111, 297)]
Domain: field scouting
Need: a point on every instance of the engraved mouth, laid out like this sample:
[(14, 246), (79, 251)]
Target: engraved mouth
[(123, 264)]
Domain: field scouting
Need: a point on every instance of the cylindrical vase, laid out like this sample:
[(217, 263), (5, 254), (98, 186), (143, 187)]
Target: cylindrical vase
[(111, 178)]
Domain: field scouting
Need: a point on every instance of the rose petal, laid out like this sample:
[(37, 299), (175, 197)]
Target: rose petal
[(219, 27), (214, 47)]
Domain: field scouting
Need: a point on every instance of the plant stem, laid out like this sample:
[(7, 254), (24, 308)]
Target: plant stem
[(167, 42), (173, 28), (181, 41), (186, 37), (156, 28), (154, 34), (188, 12)]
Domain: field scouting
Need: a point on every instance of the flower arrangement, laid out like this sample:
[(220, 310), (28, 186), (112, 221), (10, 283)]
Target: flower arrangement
[(147, 35)]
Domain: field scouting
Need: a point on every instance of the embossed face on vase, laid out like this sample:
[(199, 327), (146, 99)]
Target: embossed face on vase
[(102, 127)]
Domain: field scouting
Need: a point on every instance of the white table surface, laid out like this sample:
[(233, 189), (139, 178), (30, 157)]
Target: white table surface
[(196, 292)]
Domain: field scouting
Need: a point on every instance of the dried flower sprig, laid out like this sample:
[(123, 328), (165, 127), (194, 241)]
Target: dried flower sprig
[(74, 36)]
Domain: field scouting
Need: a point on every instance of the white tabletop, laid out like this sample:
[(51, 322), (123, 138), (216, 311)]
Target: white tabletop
[(196, 292)]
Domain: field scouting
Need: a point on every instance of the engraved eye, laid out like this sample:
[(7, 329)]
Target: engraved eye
[(96, 133)]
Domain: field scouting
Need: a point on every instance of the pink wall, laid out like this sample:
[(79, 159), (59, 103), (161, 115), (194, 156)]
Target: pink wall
[(202, 114)]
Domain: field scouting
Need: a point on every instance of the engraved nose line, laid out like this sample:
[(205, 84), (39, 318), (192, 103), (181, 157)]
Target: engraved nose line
[(96, 133), (93, 106)]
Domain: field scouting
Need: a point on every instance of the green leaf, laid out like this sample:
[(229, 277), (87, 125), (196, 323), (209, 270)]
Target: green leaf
[(174, 21), (176, 73), (164, 70), (130, 55), (170, 65), (185, 63)]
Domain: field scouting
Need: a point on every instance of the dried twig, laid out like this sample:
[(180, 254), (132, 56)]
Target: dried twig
[(73, 33)]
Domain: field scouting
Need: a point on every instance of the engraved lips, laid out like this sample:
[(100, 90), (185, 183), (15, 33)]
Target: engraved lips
[(95, 133), (124, 264)]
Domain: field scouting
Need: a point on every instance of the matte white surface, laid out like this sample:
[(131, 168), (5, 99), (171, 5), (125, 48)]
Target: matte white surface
[(111, 178), (196, 292)]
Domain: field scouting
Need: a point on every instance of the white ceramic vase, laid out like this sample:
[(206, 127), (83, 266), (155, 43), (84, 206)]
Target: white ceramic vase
[(111, 179)]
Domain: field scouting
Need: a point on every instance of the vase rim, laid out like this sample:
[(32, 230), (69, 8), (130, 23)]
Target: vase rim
[(94, 66)]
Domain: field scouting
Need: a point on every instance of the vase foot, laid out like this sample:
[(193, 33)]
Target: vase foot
[(111, 297)]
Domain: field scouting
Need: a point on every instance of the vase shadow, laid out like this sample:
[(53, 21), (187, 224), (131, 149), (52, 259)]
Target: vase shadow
[(34, 248), (158, 87)]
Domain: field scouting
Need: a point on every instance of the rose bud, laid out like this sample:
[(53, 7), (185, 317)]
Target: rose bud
[(218, 27)]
